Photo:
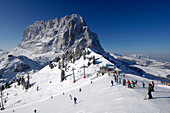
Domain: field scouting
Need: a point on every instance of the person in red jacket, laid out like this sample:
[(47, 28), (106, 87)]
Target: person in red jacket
[(129, 84), (117, 80), (124, 82)]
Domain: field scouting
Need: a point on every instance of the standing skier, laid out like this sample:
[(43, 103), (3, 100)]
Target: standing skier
[(79, 89), (124, 82), (133, 83), (112, 82), (115, 78), (143, 84), (119, 81), (149, 91), (70, 97), (136, 82), (37, 88), (75, 100), (129, 84), (35, 111)]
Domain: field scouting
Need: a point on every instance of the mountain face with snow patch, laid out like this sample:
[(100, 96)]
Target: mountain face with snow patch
[(59, 35), (43, 41)]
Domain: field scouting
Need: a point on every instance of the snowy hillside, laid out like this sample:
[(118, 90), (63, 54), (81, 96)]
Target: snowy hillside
[(12, 66), (97, 95), (150, 66), (49, 80)]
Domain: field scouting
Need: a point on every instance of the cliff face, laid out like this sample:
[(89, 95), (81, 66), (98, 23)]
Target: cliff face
[(59, 35)]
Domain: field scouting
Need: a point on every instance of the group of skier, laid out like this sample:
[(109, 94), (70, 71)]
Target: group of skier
[(131, 84)]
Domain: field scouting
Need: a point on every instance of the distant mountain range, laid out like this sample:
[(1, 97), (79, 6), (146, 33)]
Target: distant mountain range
[(151, 66)]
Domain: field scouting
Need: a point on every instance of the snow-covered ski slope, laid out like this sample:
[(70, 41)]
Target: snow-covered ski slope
[(96, 97)]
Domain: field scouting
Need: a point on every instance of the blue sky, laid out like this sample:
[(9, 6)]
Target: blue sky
[(122, 26)]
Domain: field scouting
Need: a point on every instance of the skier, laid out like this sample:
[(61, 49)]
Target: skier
[(70, 97), (112, 82), (149, 91), (119, 81), (115, 78), (123, 75), (153, 86), (143, 84), (133, 83), (75, 100), (136, 82), (79, 89), (35, 111), (129, 84), (124, 82), (37, 88)]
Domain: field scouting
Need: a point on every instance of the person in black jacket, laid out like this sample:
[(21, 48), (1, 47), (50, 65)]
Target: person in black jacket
[(112, 82), (75, 100), (149, 91)]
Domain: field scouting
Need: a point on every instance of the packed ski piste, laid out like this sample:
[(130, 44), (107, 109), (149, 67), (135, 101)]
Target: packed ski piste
[(89, 84)]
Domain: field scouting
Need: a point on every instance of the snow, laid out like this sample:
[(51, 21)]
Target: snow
[(98, 97)]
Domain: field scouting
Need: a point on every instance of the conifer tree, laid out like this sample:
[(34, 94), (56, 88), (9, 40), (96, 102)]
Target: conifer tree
[(89, 64), (59, 65), (62, 75), (84, 55), (94, 60), (51, 65)]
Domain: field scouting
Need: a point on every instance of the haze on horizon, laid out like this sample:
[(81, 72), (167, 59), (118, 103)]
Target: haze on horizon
[(122, 26)]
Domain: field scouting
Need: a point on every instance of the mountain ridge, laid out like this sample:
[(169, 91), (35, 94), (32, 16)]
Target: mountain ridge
[(59, 35)]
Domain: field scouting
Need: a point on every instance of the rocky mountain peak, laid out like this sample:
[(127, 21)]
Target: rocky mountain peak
[(59, 35)]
